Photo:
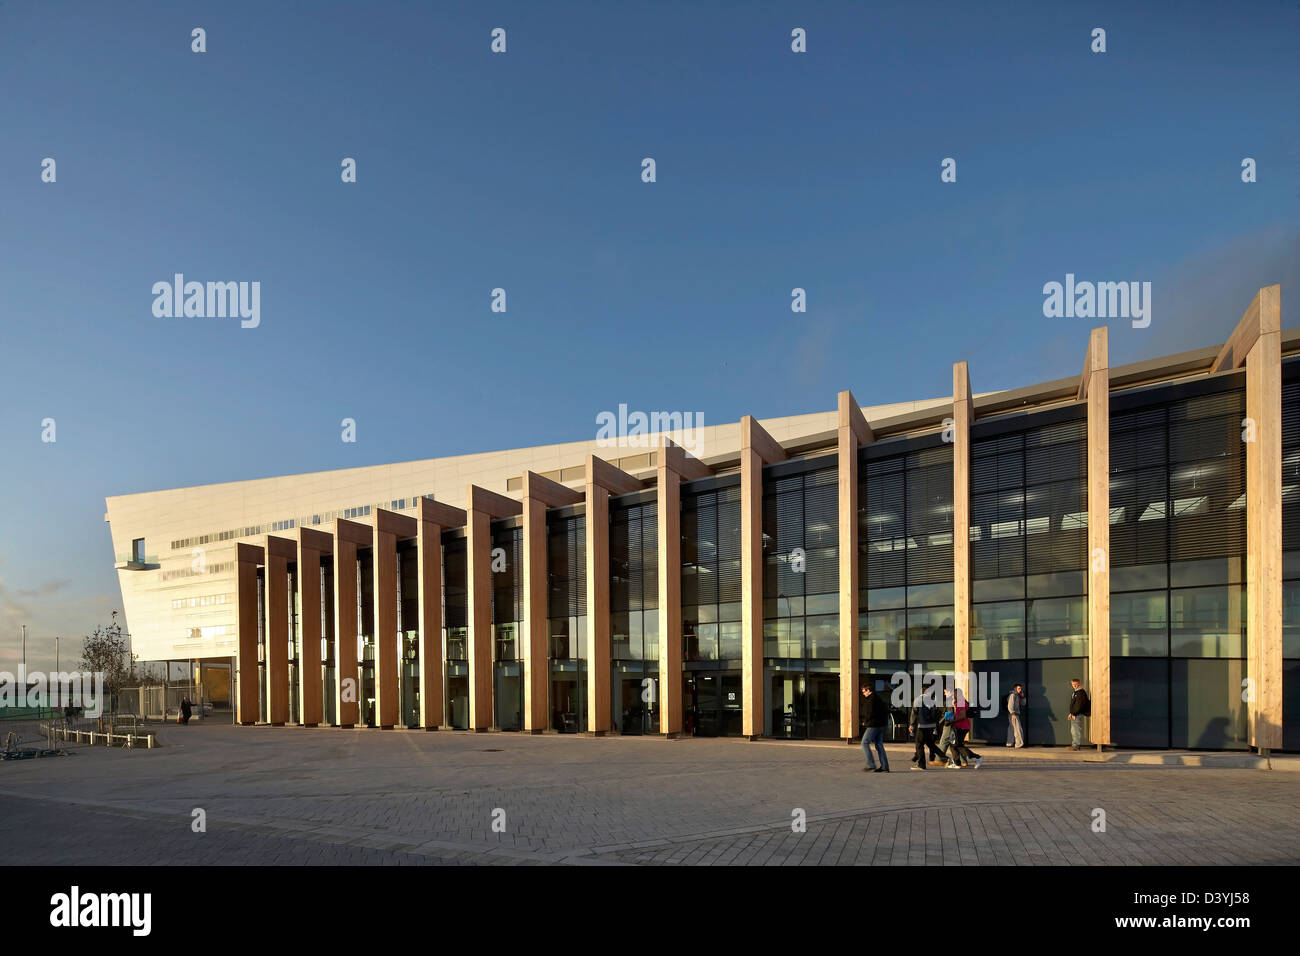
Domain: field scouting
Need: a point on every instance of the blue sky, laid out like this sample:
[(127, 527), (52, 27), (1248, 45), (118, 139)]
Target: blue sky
[(522, 170)]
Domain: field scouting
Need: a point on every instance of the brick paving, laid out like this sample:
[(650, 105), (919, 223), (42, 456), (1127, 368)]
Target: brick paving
[(288, 796)]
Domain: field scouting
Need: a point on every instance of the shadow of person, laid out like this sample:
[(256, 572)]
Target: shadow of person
[(1214, 736)]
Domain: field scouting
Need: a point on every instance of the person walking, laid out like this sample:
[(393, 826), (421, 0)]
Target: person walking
[(1080, 707), (945, 728), (877, 715), (1015, 707), (960, 728), (185, 710), (922, 723)]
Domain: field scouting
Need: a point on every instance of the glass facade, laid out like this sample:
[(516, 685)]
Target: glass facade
[(408, 629), (801, 646), (1029, 568), (329, 710), (905, 575), (507, 621), (295, 641), (712, 639), (566, 611), (1177, 568), (1178, 544), (366, 632), (455, 631), (1291, 555), (634, 614)]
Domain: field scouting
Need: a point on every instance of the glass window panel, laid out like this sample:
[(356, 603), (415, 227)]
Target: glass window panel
[(1056, 584), (1057, 627), (1207, 710), (998, 631), (930, 594), (1139, 702), (1139, 577), (1208, 622), (929, 633), (881, 599), (823, 636), (730, 641), (1139, 624), (886, 635), (998, 589)]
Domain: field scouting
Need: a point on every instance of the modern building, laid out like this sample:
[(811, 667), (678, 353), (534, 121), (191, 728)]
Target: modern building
[(1137, 527)]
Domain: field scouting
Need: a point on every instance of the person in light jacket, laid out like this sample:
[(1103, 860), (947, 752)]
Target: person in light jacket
[(1015, 708)]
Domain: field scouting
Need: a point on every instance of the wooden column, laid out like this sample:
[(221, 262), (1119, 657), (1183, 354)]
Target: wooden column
[(279, 552), (852, 431), (348, 536), (757, 448), (482, 506), (672, 464), (247, 559), (311, 545), (431, 518), (963, 414), (388, 527), (539, 494), (1256, 343), (1094, 386), (602, 478)]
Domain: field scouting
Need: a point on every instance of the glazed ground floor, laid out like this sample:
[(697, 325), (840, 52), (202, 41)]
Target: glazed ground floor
[(1186, 704)]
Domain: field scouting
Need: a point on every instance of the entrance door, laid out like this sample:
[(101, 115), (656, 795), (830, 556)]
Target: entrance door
[(789, 704), (712, 704), (568, 701), (703, 697), (636, 717), (731, 709), (509, 695), (458, 696)]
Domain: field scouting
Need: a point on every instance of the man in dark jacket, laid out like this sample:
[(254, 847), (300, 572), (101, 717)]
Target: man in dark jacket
[(1080, 707), (876, 711), (922, 723)]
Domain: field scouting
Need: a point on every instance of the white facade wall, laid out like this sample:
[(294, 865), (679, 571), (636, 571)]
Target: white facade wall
[(182, 605)]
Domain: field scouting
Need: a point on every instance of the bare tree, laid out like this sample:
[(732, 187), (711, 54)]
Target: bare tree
[(105, 651)]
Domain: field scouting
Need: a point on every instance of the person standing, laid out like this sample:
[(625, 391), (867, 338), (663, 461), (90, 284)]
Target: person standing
[(877, 714), (922, 723), (185, 710), (1015, 708), (1080, 707)]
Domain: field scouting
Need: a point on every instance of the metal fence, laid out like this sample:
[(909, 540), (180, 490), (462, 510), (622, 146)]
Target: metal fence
[(25, 732), (162, 702)]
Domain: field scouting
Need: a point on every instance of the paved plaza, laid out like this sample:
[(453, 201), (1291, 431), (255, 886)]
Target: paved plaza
[(328, 796)]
